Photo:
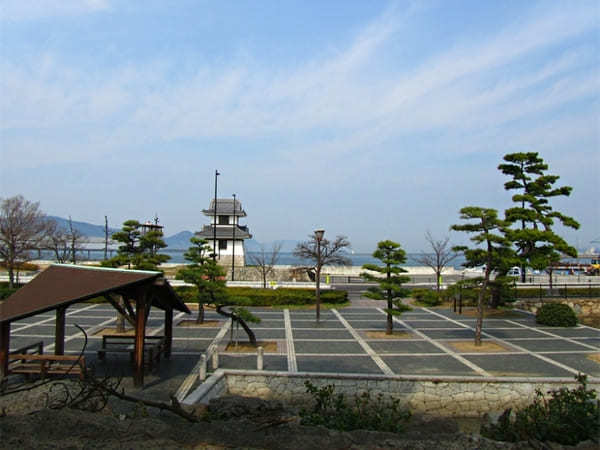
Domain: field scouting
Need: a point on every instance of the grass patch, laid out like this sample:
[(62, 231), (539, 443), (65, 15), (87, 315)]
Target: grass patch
[(193, 324), (247, 347), (383, 335), (111, 331), (496, 313), (594, 357), (311, 307), (470, 347), (592, 320)]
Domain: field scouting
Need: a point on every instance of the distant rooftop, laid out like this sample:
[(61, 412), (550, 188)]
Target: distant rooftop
[(225, 207)]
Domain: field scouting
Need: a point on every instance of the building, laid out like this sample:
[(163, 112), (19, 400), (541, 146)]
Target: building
[(230, 234)]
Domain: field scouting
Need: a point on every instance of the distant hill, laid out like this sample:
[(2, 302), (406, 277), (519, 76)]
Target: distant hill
[(180, 240), (87, 229)]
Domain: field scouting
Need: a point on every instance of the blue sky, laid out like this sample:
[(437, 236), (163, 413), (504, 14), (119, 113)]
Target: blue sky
[(371, 119)]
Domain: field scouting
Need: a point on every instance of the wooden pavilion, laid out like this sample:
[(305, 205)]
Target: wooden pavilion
[(63, 285)]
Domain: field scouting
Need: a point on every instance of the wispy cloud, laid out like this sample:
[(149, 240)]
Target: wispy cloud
[(328, 107), (26, 10)]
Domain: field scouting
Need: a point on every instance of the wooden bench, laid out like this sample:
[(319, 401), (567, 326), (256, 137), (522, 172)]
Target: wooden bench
[(37, 348), (43, 365), (153, 347)]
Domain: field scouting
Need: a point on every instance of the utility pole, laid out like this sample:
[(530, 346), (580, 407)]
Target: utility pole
[(215, 220), (233, 250), (105, 238)]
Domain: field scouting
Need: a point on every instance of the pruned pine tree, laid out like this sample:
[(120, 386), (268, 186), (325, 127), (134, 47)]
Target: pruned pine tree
[(390, 287), (492, 249), (137, 251), (533, 217), (209, 279), (204, 273)]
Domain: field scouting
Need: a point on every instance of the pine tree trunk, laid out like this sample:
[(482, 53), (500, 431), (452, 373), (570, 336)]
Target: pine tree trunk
[(390, 322), (120, 324), (200, 318)]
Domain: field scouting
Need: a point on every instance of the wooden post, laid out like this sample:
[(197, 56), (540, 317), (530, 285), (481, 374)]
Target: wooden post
[(59, 331), (168, 331), (4, 348), (140, 335)]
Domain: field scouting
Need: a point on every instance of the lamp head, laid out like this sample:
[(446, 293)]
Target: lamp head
[(319, 234)]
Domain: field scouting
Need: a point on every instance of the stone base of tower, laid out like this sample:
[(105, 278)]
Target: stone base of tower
[(226, 260)]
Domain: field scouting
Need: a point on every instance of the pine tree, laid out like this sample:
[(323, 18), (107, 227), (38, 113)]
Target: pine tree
[(492, 249), (204, 273), (138, 250), (390, 287), (537, 244)]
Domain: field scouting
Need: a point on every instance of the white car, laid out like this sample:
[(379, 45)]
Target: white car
[(514, 272)]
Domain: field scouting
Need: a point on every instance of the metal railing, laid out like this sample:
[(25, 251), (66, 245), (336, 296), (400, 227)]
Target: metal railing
[(543, 291)]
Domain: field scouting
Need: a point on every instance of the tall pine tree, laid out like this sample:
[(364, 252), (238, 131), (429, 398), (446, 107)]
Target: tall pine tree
[(532, 220)]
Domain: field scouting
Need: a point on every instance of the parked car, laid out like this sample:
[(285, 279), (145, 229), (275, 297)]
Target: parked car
[(514, 272)]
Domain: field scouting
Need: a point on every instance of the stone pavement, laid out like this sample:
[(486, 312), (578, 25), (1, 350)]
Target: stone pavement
[(347, 340)]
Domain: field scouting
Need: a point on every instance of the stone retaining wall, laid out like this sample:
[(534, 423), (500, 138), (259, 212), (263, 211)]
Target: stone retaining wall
[(444, 396), (582, 306)]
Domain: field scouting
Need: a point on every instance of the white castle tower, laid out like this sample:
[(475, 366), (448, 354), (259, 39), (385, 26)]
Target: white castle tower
[(230, 234)]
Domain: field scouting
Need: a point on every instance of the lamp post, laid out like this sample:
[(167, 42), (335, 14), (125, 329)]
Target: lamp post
[(319, 237), (215, 220), (233, 250)]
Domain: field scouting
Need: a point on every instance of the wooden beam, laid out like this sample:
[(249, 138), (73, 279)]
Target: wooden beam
[(129, 317), (141, 306), (59, 331), (127, 304), (168, 331), (4, 348)]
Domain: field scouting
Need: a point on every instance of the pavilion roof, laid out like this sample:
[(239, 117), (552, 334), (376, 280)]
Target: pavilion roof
[(63, 284)]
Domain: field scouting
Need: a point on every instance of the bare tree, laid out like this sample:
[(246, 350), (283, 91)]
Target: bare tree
[(265, 262), (23, 226), (76, 241), (439, 259), (64, 243), (323, 252), (58, 242)]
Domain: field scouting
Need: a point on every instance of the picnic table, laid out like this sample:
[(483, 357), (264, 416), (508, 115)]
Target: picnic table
[(154, 346), (30, 360)]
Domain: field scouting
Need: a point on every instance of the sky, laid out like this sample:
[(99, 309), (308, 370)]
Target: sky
[(370, 119)]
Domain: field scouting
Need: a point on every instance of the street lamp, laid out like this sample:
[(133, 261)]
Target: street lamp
[(215, 220), (233, 250), (319, 237)]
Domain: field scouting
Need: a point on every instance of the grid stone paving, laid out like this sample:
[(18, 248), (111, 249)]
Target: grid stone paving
[(341, 343)]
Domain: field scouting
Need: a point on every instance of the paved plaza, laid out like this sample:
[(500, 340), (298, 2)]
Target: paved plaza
[(347, 340)]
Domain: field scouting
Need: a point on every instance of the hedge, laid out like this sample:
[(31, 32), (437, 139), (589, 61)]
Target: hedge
[(271, 297), (556, 315)]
